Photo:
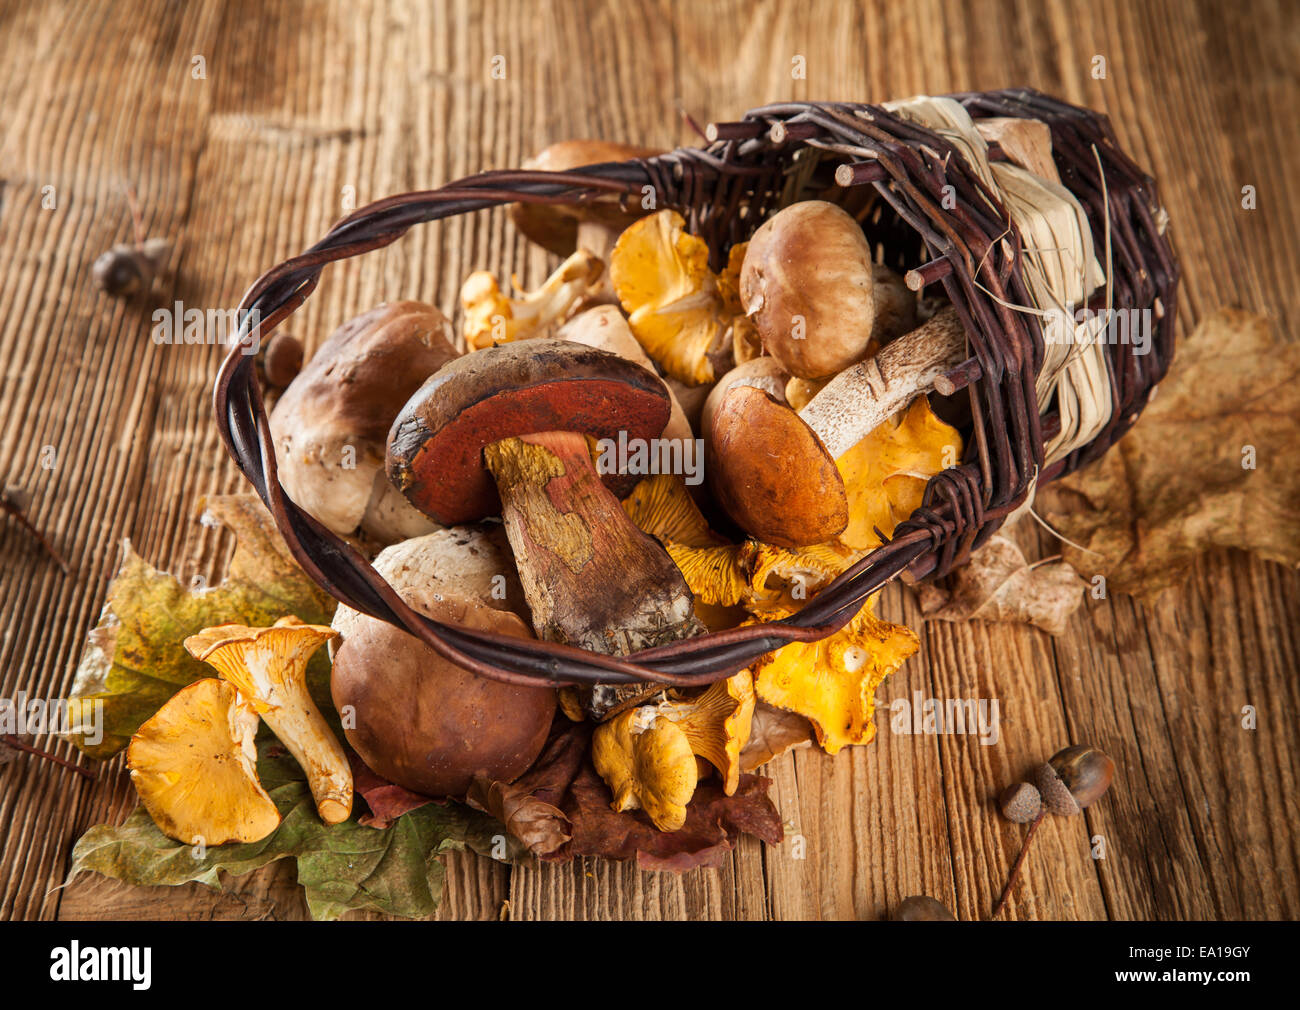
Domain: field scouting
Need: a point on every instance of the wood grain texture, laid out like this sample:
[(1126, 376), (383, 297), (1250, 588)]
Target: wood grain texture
[(306, 105)]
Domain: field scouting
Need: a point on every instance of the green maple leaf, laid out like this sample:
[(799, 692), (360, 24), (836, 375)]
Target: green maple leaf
[(341, 867), (134, 660)]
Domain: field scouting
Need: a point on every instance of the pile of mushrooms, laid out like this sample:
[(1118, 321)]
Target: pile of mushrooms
[(472, 464)]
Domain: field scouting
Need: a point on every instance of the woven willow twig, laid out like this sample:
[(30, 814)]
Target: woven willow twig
[(941, 218)]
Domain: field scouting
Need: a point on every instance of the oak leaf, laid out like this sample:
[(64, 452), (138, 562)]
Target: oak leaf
[(342, 867)]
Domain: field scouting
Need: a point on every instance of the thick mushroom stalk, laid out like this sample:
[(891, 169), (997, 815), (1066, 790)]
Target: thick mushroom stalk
[(269, 667), (774, 469), (593, 579), (504, 431)]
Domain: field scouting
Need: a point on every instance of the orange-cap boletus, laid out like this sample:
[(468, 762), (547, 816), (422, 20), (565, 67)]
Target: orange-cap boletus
[(507, 431), (773, 469)]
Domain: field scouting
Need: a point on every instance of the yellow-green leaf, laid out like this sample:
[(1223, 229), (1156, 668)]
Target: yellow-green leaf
[(134, 660)]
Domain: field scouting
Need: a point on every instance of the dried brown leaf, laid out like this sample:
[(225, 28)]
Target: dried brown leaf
[(997, 584), (772, 732), (1182, 481), (561, 795)]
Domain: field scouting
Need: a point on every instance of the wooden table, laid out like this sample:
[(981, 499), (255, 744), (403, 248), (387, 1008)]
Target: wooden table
[(246, 128)]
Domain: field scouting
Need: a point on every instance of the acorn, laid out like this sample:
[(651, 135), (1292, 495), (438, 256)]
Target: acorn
[(128, 269), (282, 360), (922, 908), (1020, 802), (1074, 778)]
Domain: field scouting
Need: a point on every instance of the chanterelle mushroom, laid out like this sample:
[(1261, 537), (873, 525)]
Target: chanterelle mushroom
[(833, 682), (661, 275), (420, 720), (331, 424), (194, 764), (505, 431), (716, 723), (648, 764), (492, 318), (269, 666), (639, 752)]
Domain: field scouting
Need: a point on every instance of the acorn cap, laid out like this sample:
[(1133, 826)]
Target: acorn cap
[(1056, 795), (1020, 802)]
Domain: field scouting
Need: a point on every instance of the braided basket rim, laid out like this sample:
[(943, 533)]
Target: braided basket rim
[(983, 277)]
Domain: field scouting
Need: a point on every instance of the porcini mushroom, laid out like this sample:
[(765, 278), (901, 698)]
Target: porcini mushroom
[(591, 224), (416, 718), (472, 562), (492, 318), (194, 764), (817, 300), (807, 285), (331, 424), (765, 373), (269, 667), (504, 431), (774, 470), (771, 473)]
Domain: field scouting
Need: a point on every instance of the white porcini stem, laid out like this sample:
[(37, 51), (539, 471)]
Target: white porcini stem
[(865, 395)]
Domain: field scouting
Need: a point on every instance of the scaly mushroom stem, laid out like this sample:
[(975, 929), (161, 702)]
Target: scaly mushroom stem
[(864, 395), (591, 577)]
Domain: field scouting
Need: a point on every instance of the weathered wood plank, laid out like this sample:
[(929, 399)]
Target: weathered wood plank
[(306, 106)]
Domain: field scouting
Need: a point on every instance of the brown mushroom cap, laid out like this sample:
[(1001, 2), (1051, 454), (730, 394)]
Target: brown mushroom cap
[(771, 472), (765, 373), (435, 447), (807, 284), (347, 396), (555, 226), (425, 723)]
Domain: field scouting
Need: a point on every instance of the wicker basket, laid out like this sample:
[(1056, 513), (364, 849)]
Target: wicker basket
[(937, 220)]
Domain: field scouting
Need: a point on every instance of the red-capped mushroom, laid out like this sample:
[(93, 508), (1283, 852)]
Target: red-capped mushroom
[(505, 431)]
